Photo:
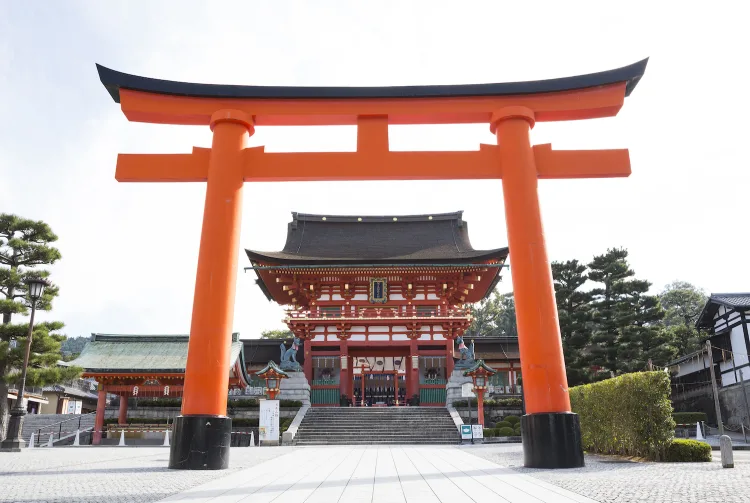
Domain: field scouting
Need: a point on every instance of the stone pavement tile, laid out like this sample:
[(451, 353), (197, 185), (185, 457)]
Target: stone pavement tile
[(442, 486), (333, 486), (463, 480), (611, 480), (359, 488), (413, 484), (387, 487), (112, 474), (510, 484)]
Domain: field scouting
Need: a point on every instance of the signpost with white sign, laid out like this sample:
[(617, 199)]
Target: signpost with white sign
[(268, 429)]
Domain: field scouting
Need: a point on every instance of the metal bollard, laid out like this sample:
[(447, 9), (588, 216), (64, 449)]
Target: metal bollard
[(77, 441), (49, 442), (31, 441), (727, 457), (166, 439)]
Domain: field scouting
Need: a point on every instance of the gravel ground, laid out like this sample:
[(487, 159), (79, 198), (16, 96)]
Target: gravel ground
[(610, 479), (111, 474)]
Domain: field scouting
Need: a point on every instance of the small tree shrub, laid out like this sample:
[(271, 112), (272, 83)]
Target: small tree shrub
[(509, 402), (514, 420), (689, 417), (505, 432), (690, 451), (489, 433), (629, 415), (504, 424)]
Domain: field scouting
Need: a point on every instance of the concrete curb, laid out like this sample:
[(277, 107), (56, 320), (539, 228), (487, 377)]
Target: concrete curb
[(287, 438)]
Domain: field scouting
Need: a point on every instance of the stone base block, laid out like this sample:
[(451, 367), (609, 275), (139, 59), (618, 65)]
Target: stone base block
[(552, 440), (200, 443)]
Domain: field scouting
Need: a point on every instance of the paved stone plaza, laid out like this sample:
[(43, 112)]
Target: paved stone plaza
[(354, 473)]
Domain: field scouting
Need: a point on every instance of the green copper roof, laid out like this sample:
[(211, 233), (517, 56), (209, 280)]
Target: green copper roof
[(112, 353), (272, 366), (479, 364)]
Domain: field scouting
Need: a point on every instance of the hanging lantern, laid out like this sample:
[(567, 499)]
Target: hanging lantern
[(166, 390), (135, 390)]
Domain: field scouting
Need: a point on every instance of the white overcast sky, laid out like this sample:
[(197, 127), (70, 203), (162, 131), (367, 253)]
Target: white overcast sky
[(130, 250)]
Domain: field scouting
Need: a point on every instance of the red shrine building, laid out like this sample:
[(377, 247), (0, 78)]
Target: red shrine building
[(377, 302)]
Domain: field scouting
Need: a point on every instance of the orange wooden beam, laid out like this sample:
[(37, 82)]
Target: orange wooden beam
[(329, 166), (589, 103), (580, 163), (372, 164), (163, 167)]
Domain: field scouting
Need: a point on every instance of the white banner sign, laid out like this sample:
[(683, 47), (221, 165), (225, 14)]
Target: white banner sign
[(467, 390), (269, 420)]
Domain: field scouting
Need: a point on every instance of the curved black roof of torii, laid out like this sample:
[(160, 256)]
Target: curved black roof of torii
[(114, 81), (410, 239)]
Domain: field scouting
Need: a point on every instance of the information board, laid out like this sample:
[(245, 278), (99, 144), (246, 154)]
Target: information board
[(467, 390), (268, 428), (477, 430), (465, 432)]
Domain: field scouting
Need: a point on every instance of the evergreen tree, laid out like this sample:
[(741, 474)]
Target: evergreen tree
[(276, 334), (494, 316), (612, 270), (627, 321), (574, 312), (25, 245), (683, 303)]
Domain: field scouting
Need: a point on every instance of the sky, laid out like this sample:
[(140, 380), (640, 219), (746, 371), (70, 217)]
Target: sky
[(129, 250)]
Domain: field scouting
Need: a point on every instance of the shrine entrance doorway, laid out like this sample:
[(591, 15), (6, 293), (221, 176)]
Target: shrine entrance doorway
[(379, 381)]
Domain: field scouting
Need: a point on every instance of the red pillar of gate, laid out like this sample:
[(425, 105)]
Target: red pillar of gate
[(122, 417), (101, 403), (549, 429), (203, 426), (344, 380), (412, 378)]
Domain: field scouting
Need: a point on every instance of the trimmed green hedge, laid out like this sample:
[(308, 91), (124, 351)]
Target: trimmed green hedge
[(629, 415), (688, 451), (504, 424), (489, 432), (505, 432), (689, 417), (501, 402), (514, 420)]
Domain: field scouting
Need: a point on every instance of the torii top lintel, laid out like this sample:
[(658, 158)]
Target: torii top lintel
[(372, 110), (168, 102)]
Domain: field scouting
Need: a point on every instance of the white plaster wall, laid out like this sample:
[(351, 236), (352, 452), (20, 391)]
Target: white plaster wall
[(737, 338), (400, 337), (379, 337)]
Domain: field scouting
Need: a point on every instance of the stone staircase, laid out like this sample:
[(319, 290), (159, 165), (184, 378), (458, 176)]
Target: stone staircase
[(377, 425), (62, 426)]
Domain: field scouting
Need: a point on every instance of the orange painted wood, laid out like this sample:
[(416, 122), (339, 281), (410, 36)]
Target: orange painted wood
[(163, 167), (206, 372), (590, 103), (580, 163), (540, 345)]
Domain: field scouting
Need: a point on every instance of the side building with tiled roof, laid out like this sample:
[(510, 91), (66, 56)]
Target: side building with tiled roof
[(725, 321)]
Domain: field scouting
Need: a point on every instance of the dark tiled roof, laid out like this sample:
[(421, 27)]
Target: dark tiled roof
[(730, 300), (377, 239)]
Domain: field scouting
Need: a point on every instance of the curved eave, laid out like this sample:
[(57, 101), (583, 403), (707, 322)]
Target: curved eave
[(114, 81), (280, 258)]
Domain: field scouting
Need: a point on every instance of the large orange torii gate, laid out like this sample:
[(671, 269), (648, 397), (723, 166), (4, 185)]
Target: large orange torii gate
[(551, 433)]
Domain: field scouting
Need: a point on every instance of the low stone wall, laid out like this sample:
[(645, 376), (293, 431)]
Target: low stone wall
[(164, 413)]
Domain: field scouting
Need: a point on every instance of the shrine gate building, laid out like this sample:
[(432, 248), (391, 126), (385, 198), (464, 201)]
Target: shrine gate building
[(378, 301)]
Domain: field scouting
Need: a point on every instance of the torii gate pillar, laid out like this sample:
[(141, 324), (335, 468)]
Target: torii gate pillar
[(551, 432)]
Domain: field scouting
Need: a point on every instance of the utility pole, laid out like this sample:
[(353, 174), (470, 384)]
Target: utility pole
[(715, 388)]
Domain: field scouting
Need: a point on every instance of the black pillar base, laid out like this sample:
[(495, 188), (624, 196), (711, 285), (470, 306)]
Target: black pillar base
[(13, 440), (552, 440), (200, 443)]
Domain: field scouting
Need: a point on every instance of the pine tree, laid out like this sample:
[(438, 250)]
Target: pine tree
[(627, 321), (24, 245), (494, 316), (683, 303), (574, 312), (610, 269)]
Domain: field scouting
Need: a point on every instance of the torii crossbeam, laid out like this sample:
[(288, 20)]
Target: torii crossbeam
[(551, 433)]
